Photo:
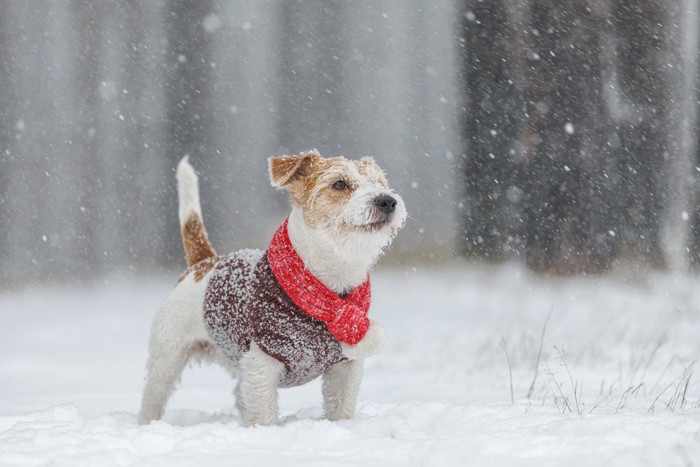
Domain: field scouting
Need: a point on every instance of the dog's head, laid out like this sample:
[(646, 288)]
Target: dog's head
[(346, 198)]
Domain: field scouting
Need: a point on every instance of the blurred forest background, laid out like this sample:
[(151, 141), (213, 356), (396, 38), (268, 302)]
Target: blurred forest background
[(563, 134)]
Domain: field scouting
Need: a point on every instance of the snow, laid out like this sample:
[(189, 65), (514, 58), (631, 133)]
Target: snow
[(72, 365), (211, 23)]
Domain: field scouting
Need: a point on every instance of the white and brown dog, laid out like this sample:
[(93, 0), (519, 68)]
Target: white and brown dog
[(285, 316)]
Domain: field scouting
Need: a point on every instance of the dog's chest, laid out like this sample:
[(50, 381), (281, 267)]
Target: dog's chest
[(244, 303)]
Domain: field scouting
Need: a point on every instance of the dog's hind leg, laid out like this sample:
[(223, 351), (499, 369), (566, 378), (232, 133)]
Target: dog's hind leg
[(256, 393), (341, 384), (165, 367), (177, 330)]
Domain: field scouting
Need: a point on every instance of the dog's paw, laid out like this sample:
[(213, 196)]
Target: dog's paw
[(145, 416), (368, 346)]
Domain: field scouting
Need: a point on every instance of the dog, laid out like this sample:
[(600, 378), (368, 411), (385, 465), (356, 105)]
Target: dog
[(287, 315)]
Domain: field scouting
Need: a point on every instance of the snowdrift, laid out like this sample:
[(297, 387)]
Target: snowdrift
[(484, 365)]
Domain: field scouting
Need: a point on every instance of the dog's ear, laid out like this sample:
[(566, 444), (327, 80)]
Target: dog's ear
[(286, 169), (366, 163), (369, 167)]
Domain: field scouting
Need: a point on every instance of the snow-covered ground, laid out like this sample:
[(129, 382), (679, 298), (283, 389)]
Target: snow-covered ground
[(614, 385)]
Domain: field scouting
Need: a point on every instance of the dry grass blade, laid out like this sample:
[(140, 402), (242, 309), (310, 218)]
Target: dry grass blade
[(510, 368), (539, 354), (679, 398), (558, 385), (574, 385)]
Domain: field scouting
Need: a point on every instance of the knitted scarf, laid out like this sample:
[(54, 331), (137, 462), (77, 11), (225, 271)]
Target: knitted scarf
[(346, 318)]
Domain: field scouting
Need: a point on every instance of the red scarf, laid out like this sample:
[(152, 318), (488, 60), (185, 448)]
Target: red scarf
[(346, 318)]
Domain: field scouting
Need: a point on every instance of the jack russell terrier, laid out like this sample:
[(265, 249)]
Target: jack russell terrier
[(285, 316)]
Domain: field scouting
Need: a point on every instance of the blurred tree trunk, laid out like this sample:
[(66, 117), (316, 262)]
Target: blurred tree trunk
[(569, 199), (642, 123), (5, 156), (681, 49), (694, 234), (658, 49), (87, 15), (493, 172), (694, 241), (580, 126), (538, 135), (188, 81)]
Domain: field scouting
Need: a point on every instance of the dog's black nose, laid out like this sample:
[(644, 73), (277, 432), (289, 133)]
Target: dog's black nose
[(385, 204)]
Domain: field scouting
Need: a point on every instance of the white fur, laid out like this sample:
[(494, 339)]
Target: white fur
[(368, 346), (187, 190), (340, 267), (177, 328), (338, 256), (260, 375), (341, 384)]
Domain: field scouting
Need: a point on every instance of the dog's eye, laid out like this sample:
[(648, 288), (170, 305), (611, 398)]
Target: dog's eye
[(340, 185)]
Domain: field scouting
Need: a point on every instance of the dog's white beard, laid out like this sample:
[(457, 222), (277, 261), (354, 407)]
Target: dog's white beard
[(361, 211)]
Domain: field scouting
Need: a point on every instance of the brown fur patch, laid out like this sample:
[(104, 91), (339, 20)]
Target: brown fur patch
[(200, 269), (284, 170), (316, 193), (203, 347), (203, 351), (196, 241)]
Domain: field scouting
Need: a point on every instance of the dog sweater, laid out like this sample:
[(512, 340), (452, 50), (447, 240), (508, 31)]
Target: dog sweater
[(244, 301)]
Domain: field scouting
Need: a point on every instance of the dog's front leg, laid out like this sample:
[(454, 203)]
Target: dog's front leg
[(257, 388), (341, 384)]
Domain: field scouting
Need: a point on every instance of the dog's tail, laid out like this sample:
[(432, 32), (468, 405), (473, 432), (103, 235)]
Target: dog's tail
[(194, 234)]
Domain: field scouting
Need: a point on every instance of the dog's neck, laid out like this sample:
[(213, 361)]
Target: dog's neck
[(340, 264)]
